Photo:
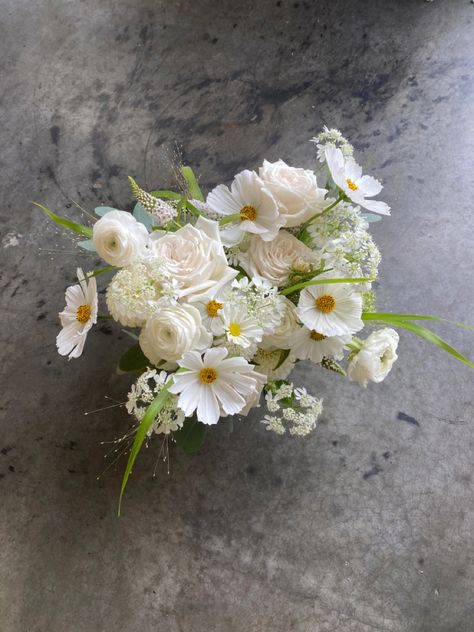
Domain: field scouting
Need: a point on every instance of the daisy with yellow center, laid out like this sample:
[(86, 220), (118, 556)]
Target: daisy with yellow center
[(309, 344), (239, 327), (214, 385), (210, 308), (246, 207), (78, 316), (330, 309)]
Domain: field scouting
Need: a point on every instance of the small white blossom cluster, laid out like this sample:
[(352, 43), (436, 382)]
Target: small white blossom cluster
[(332, 138), (297, 410)]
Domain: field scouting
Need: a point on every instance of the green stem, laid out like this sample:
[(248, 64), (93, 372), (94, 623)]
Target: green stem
[(326, 210), (229, 218), (300, 286)]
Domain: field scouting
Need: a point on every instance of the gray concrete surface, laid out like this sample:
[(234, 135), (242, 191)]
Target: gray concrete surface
[(367, 525)]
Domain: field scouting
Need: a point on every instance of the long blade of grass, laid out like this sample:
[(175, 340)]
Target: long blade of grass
[(66, 223)]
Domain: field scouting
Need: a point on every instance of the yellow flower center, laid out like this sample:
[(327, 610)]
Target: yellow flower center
[(234, 329), (83, 313), (248, 212), (213, 307), (325, 303), (208, 375), (351, 184), (314, 335)]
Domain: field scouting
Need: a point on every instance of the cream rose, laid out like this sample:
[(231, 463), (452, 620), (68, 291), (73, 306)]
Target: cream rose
[(282, 337), (195, 257), (375, 358), (119, 238), (171, 331), (273, 260), (295, 191)]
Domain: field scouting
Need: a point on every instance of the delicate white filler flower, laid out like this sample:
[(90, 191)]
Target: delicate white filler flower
[(251, 203), (311, 345), (214, 385), (332, 309), (239, 327), (347, 174), (273, 260), (171, 331), (375, 359), (78, 316), (295, 191), (331, 138), (119, 239)]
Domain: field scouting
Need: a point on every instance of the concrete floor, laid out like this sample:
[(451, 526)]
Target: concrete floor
[(367, 525)]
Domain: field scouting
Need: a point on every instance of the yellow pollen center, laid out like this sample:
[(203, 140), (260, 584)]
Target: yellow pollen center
[(234, 329), (351, 184), (208, 376), (314, 335), (325, 303), (83, 313), (213, 307), (248, 212)]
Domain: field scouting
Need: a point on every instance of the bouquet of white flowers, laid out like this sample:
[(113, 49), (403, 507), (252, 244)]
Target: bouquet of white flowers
[(224, 294)]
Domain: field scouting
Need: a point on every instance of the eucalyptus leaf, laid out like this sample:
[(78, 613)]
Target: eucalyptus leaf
[(133, 360), (142, 216), (103, 210), (87, 244), (371, 217), (80, 229), (191, 436)]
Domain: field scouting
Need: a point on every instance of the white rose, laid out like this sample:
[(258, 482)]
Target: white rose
[(171, 331), (273, 260), (375, 359), (195, 257), (119, 238), (295, 191), (282, 337)]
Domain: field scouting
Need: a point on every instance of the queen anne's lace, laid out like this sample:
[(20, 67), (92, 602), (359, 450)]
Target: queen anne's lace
[(298, 411)]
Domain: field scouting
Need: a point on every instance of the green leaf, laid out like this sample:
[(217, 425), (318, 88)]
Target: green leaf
[(103, 210), (145, 424), (142, 216), (190, 437), (166, 195), (87, 244), (100, 271), (283, 356), (300, 286), (393, 315), (133, 360), (192, 209), (66, 223), (194, 192), (401, 320)]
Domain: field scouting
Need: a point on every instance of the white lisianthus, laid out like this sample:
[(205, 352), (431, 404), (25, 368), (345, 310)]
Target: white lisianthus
[(332, 309), (283, 335), (375, 358), (347, 174), (215, 385), (273, 260), (195, 258), (171, 331), (78, 316), (311, 345), (250, 207), (119, 239), (295, 191)]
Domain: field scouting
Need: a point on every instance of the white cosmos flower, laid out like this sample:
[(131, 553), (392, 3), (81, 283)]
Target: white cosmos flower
[(210, 309), (214, 385), (332, 309), (347, 174), (239, 327), (251, 203), (311, 345), (78, 316), (119, 238), (375, 359)]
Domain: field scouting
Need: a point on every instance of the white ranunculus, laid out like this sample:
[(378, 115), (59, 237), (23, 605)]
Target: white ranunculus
[(171, 331), (295, 191), (195, 258), (273, 260), (282, 337), (119, 238), (375, 358)]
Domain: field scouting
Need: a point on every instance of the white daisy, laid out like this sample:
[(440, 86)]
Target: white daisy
[(78, 316), (214, 385), (332, 309), (239, 327), (211, 311), (347, 174), (248, 206), (309, 344)]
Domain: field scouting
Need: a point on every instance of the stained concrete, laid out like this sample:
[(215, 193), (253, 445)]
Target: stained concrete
[(367, 525)]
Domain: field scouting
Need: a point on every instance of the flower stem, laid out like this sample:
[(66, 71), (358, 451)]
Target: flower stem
[(229, 218), (326, 210)]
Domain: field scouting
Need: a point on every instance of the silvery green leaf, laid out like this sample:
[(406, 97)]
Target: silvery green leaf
[(103, 210), (142, 216), (87, 244), (370, 217)]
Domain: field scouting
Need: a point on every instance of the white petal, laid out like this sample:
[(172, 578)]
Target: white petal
[(208, 408), (369, 186), (376, 207)]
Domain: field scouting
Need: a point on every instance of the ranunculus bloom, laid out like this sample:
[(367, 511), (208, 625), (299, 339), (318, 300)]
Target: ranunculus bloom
[(375, 359), (295, 191), (273, 260), (195, 258), (171, 331), (119, 238), (282, 336)]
